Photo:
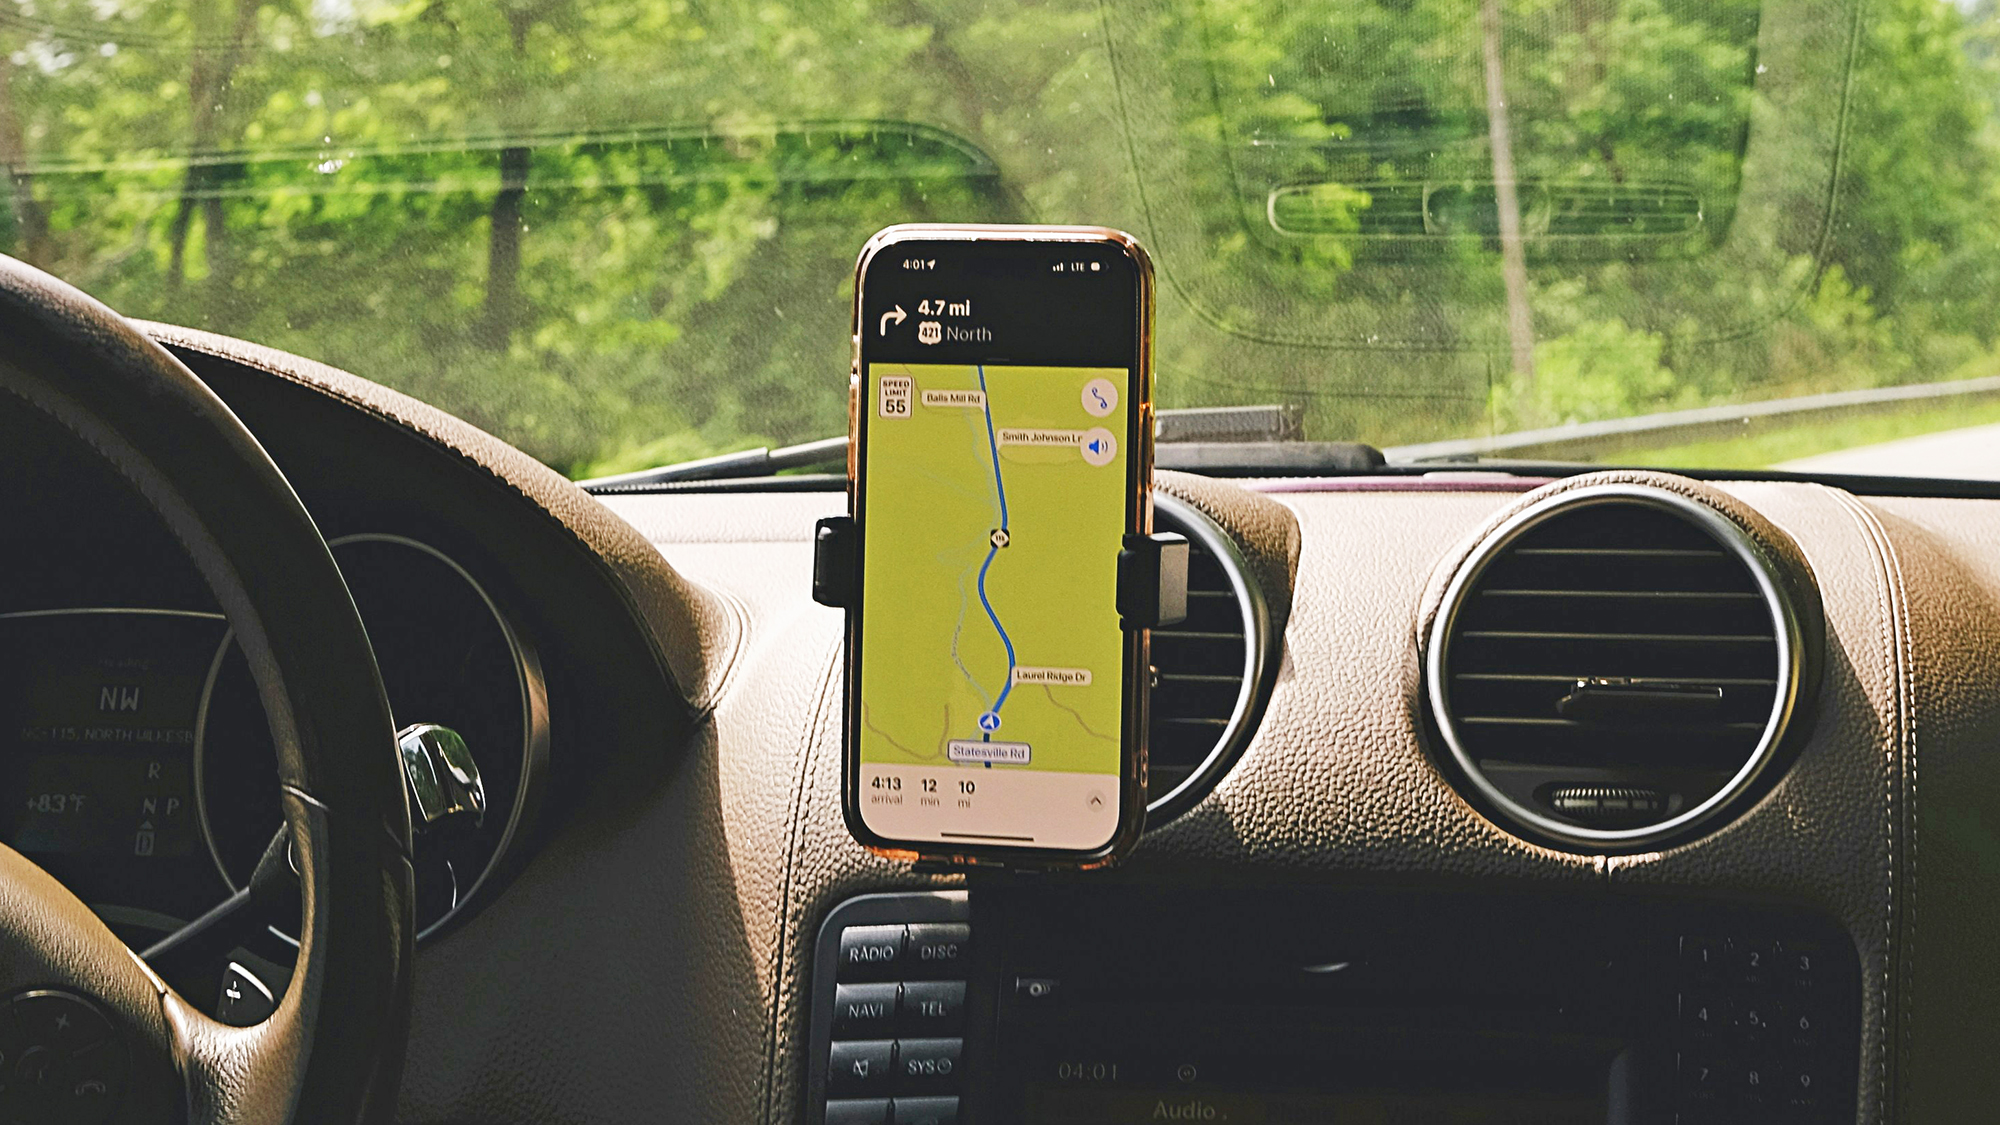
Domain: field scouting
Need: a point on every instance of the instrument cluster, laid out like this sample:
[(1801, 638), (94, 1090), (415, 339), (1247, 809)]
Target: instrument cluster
[(141, 765)]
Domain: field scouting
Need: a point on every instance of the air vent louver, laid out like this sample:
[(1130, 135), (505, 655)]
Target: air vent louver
[(1616, 637), (1207, 669)]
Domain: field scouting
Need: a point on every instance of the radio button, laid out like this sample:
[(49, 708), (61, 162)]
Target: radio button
[(927, 1064), (934, 1007), (857, 1111), (864, 1011), (939, 950), (871, 952), (863, 1067), (925, 1111)]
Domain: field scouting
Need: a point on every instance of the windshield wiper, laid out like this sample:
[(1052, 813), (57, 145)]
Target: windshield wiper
[(1214, 458), (760, 462), (1226, 440)]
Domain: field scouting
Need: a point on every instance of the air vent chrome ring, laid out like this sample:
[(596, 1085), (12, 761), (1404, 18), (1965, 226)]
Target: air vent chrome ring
[(1259, 657), (1789, 674)]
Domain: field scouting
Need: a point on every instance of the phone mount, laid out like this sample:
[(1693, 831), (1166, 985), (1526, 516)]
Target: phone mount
[(1152, 573)]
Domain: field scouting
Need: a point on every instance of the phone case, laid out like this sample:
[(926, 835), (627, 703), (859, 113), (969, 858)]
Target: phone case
[(1139, 509)]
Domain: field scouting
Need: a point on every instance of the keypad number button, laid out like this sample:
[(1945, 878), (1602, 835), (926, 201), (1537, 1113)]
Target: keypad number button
[(1749, 963), (1704, 1016), (1802, 1093), (1801, 1028), (1701, 959), (1757, 1084), (1701, 1082), (1756, 1023)]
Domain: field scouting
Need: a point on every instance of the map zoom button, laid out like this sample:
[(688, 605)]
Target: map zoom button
[(1098, 446), (1100, 397)]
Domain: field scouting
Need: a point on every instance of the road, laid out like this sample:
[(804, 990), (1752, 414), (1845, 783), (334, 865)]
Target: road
[(1972, 453), (991, 720)]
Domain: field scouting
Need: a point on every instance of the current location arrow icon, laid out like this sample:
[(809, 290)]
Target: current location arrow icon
[(896, 315)]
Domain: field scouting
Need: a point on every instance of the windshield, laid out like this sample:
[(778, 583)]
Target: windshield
[(622, 233)]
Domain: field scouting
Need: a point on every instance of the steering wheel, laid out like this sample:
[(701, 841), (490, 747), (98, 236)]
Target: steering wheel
[(94, 1035)]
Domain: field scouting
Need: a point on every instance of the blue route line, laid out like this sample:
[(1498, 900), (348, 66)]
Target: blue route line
[(1000, 488), (993, 444)]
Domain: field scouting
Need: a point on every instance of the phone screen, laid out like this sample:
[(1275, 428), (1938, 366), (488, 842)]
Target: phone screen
[(996, 480)]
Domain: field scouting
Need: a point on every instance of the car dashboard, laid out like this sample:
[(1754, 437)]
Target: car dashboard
[(1608, 797)]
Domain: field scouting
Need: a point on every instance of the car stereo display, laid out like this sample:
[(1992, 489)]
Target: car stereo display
[(1117, 1006), (1373, 1107), (1287, 1067)]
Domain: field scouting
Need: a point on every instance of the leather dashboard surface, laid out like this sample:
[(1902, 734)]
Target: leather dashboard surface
[(647, 964), (1338, 785)]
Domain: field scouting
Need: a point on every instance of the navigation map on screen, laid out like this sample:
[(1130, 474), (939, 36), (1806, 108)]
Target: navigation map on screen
[(993, 662)]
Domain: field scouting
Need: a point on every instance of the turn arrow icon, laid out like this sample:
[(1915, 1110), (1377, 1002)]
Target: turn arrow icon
[(896, 315)]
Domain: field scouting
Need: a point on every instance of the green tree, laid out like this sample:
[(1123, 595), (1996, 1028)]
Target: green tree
[(620, 232)]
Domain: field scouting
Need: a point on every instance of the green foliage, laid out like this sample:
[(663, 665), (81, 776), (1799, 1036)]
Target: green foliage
[(1600, 369), (622, 232), (1777, 444)]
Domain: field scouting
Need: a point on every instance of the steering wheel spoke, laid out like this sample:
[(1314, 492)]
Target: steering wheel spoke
[(271, 891)]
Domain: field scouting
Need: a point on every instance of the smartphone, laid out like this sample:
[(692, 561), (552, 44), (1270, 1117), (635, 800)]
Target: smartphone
[(1001, 427)]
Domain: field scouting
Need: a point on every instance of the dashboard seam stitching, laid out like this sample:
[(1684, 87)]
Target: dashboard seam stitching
[(1905, 1004), (795, 837), (698, 698), (739, 634), (1871, 533)]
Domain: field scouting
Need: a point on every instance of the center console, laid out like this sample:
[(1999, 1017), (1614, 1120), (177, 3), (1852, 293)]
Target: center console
[(1056, 1004)]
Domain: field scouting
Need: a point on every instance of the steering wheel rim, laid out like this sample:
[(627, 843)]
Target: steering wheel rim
[(332, 1052)]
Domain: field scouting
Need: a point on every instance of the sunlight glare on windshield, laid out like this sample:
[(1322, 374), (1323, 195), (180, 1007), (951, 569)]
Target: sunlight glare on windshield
[(620, 234)]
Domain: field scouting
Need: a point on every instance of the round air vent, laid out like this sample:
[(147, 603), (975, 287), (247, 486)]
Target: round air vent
[(1614, 667), (1210, 672)]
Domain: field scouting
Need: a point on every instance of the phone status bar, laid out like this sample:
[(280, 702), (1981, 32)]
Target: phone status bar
[(1018, 301)]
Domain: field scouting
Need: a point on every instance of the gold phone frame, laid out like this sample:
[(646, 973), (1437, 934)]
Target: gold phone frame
[(1139, 521)]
